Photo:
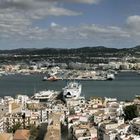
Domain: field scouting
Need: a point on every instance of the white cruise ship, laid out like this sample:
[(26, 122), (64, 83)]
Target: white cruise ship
[(72, 90), (44, 95)]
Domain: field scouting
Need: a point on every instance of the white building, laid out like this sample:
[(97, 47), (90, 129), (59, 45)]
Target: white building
[(135, 126)]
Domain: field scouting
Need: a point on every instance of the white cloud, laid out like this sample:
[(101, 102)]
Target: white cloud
[(133, 20), (133, 24), (104, 31), (12, 23), (19, 4), (74, 1), (37, 9), (53, 24), (21, 28), (87, 1), (133, 28), (17, 18)]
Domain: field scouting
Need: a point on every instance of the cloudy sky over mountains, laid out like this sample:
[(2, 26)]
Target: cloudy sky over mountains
[(69, 23)]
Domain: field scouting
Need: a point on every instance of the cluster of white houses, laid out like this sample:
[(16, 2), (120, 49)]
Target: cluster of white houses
[(94, 119), (99, 119)]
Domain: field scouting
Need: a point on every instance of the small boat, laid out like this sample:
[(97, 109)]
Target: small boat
[(51, 78), (45, 78)]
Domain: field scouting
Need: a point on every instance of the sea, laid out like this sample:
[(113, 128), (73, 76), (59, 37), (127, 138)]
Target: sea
[(125, 86)]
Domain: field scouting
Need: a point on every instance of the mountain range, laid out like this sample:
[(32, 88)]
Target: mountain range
[(98, 51)]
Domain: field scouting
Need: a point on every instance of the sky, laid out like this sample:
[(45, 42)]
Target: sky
[(69, 23)]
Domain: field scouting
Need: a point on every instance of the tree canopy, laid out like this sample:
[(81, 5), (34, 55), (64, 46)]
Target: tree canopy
[(130, 112)]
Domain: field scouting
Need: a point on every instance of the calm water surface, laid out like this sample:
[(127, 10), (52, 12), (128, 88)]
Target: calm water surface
[(124, 87)]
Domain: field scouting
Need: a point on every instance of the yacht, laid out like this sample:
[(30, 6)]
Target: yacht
[(72, 90)]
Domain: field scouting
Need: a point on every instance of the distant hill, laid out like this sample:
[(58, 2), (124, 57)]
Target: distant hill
[(98, 51)]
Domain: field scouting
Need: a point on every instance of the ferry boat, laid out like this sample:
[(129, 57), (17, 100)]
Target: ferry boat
[(110, 76), (72, 90), (44, 95)]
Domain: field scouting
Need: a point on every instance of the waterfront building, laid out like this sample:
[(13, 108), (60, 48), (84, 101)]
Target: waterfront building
[(79, 66), (124, 66), (113, 65), (137, 66)]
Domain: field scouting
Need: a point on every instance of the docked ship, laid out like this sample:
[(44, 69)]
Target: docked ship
[(44, 95), (72, 90), (110, 76)]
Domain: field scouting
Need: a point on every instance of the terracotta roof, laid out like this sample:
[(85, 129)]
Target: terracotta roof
[(6, 136), (22, 134)]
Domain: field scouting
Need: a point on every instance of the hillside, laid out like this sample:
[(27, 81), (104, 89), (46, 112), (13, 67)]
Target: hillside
[(99, 54), (99, 51)]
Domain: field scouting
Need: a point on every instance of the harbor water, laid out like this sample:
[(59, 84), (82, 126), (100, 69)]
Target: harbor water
[(125, 86)]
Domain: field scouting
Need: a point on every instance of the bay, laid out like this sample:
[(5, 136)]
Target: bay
[(125, 86)]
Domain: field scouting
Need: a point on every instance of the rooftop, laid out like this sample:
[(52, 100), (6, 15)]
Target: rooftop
[(22, 134)]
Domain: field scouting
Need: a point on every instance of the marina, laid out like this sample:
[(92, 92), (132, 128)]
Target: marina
[(124, 87)]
